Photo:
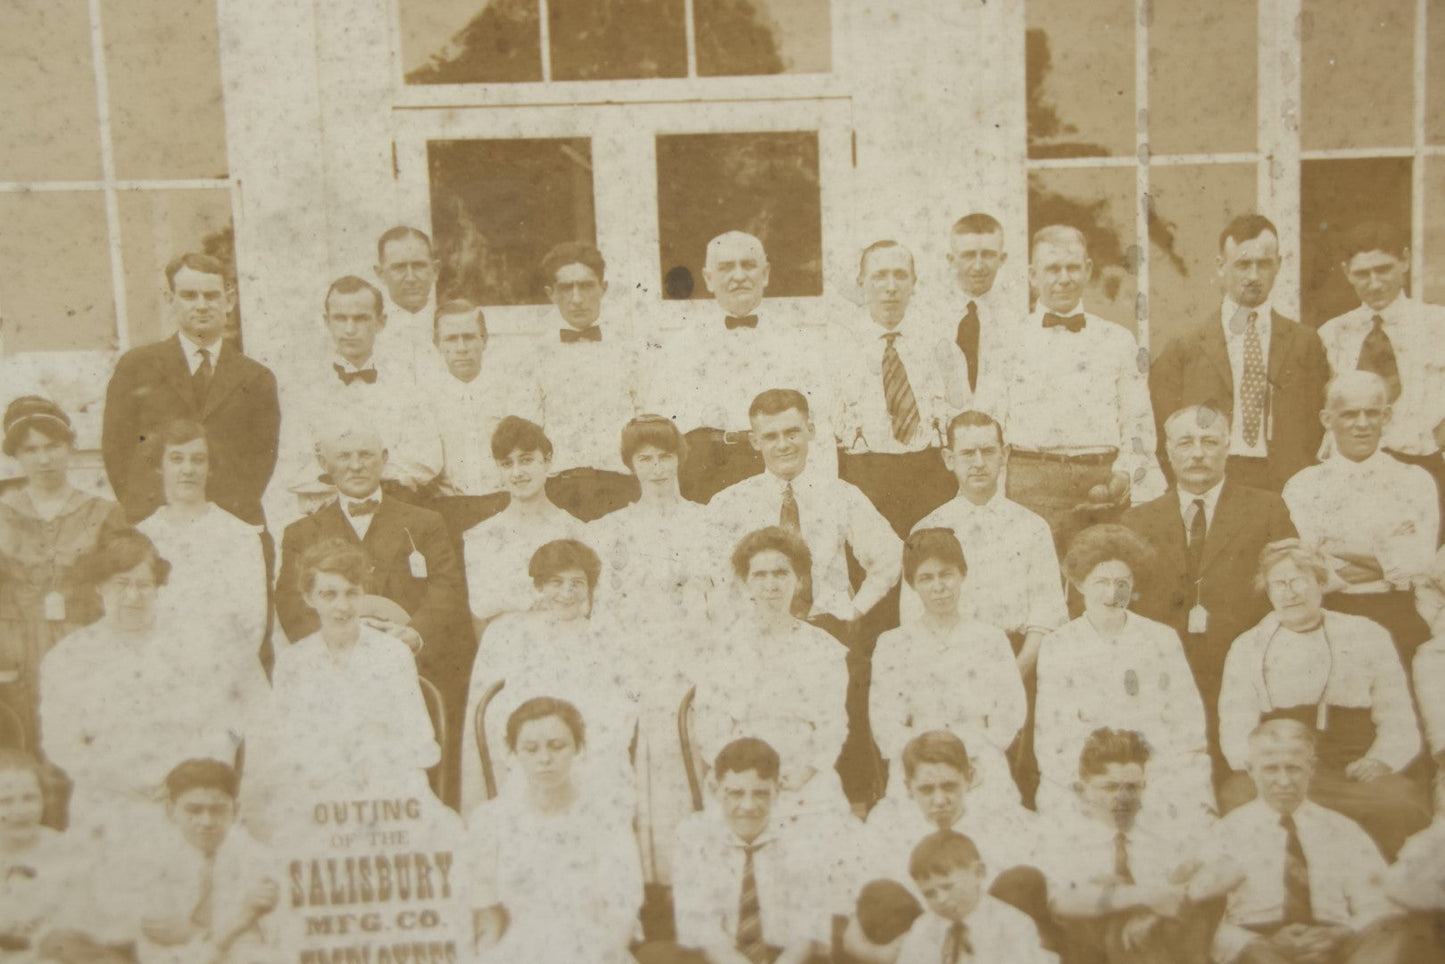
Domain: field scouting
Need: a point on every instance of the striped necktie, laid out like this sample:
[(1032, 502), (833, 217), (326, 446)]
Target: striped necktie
[(902, 406), (750, 912)]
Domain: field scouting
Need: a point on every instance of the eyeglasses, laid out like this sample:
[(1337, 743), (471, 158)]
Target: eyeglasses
[(1296, 584), (124, 584)]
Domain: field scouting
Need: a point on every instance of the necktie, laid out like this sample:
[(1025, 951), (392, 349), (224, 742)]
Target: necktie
[(364, 507), (746, 321), (201, 380), (1071, 322), (571, 335), (956, 943), (902, 406), (201, 912), (1297, 908), (967, 338), (1121, 858), (750, 913), (788, 518), (1198, 527), (1252, 386), (1377, 355), (367, 375)]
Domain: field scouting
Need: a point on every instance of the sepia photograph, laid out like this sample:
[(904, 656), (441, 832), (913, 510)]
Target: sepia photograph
[(722, 482)]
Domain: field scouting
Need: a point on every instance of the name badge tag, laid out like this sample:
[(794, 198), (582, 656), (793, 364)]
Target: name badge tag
[(1198, 619), (417, 563), (54, 606)]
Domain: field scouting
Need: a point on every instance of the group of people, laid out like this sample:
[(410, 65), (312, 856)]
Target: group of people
[(898, 639)]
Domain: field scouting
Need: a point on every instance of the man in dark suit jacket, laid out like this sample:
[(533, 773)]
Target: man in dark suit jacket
[(1208, 532), (193, 374), (1265, 371)]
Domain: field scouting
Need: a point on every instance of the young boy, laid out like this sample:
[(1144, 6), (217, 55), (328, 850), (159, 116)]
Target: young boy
[(962, 922), (498, 549)]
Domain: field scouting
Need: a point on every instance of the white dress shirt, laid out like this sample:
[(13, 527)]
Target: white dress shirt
[(193, 352), (1349, 662), (1429, 675), (1186, 505), (998, 322), (937, 375), (834, 516), (1139, 681), (1005, 836), (360, 522), (1013, 579), (655, 563), (1368, 503), (707, 880), (590, 390), (497, 551), (1415, 329), (1344, 870), (1075, 849), (983, 703), (1234, 337), (407, 339), (996, 932), (467, 414), (1077, 393)]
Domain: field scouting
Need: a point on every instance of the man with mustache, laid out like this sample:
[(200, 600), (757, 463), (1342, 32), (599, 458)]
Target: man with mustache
[(1266, 371), (1200, 530), (1376, 517), (903, 385)]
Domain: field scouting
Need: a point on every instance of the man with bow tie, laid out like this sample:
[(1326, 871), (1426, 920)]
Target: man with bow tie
[(589, 379), (1073, 399), (1265, 371), (706, 377), (357, 379)]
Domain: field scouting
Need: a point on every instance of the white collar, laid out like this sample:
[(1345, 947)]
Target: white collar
[(1229, 308), (336, 359), (190, 347), (425, 311), (1391, 314), (1210, 497), (346, 501), (1375, 460)]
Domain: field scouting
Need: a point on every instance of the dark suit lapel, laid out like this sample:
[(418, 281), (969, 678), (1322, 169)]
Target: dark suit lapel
[(1281, 344), (229, 374), (177, 373), (1168, 525), (1230, 519), (1212, 347), (383, 524), (333, 522)]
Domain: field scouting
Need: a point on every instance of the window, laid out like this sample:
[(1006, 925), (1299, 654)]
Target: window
[(112, 161), (528, 41)]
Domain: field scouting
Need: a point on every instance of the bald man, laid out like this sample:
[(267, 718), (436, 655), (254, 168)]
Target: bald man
[(731, 351)]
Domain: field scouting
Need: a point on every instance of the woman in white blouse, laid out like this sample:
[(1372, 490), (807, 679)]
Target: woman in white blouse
[(945, 672), (551, 876), (1111, 667), (217, 565)]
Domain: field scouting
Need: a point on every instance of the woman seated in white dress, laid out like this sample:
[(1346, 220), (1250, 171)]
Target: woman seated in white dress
[(773, 676), (1114, 668), (347, 718), (945, 672), (556, 649), (551, 876), (124, 700), (217, 565)]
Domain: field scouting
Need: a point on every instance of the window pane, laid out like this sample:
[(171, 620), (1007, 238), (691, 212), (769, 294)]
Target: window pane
[(55, 283), (156, 226), (498, 206), (1080, 78), (1203, 66), (470, 41), (48, 125), (764, 184), (1192, 204), (1432, 287), (610, 39), (163, 62), (1435, 77), (1335, 196), (737, 37), (1357, 74), (1099, 202)]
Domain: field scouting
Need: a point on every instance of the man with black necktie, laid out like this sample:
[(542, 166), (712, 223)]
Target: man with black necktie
[(975, 250), (1206, 531), (902, 385), (1266, 371), (1073, 401), (588, 374), (1303, 881), (194, 375), (1396, 337)]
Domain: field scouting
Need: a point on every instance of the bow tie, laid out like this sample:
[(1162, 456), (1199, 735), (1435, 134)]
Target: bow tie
[(1071, 322), (364, 507), (570, 335), (746, 321), (367, 375)]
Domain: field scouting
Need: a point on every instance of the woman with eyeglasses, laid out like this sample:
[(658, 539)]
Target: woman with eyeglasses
[(124, 700), (1114, 668), (46, 525), (1340, 675)]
